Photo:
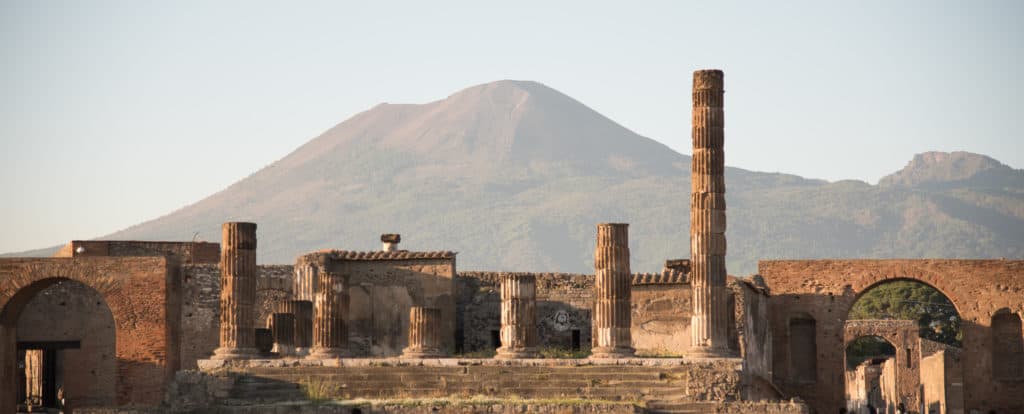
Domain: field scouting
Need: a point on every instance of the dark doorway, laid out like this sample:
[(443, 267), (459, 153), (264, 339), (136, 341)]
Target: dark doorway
[(41, 373), (575, 339), (495, 339)]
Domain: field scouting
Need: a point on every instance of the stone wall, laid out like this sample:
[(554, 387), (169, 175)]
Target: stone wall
[(184, 252), (942, 382), (751, 335), (825, 290), (564, 303), (381, 294), (200, 309)]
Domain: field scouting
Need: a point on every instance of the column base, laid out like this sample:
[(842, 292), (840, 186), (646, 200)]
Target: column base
[(517, 353), (422, 353), (283, 350), (612, 352), (226, 354), (708, 352), (328, 353)]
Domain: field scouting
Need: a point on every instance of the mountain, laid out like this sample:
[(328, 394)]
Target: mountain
[(514, 175)]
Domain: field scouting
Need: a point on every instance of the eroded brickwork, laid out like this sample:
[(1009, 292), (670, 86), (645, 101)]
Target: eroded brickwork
[(143, 298)]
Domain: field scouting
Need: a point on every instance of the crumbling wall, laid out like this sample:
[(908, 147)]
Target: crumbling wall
[(661, 316), (942, 380), (564, 303), (381, 292), (184, 252), (200, 308)]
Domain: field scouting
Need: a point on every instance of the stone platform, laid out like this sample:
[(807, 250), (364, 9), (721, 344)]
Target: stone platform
[(679, 385)]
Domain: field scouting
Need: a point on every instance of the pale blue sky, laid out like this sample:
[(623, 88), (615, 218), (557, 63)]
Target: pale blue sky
[(112, 113)]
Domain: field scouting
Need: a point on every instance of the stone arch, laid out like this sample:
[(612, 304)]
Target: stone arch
[(902, 335), (143, 297), (75, 325), (876, 280)]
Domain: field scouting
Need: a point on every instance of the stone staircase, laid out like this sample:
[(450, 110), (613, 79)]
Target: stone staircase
[(659, 385)]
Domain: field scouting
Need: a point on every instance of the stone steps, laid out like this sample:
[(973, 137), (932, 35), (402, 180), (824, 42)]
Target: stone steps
[(680, 407)]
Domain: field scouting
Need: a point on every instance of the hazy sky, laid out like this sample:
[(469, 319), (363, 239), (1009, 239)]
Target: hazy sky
[(112, 113)]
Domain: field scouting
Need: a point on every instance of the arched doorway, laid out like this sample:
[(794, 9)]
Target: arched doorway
[(66, 345), (890, 329), (141, 293), (870, 375)]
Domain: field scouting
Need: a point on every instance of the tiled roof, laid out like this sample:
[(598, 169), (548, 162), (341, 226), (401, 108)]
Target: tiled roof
[(666, 277), (382, 255)]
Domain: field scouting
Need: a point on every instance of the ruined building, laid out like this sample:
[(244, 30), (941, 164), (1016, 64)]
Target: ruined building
[(200, 327)]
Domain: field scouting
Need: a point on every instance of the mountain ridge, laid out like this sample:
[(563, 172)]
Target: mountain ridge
[(515, 174)]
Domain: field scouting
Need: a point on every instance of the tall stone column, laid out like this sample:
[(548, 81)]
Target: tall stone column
[(612, 337), (304, 282), (518, 316), (424, 333), (303, 326), (709, 324), (237, 292), (330, 333)]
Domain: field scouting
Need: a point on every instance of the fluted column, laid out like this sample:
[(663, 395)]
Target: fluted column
[(424, 333), (709, 324), (518, 316), (304, 282), (330, 333), (612, 337), (303, 326), (237, 291)]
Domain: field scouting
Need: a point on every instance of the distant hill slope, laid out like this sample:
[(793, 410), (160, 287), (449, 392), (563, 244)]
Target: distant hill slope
[(514, 175)]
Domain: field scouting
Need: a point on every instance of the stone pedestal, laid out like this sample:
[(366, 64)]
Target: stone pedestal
[(611, 319), (303, 326), (237, 292), (424, 333), (283, 327), (709, 324), (330, 333), (264, 338), (518, 317), (34, 377)]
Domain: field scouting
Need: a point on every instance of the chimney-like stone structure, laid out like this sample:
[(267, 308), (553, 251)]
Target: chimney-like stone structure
[(303, 326), (330, 333), (424, 333), (389, 242), (611, 324), (237, 292), (518, 316), (283, 329), (709, 324)]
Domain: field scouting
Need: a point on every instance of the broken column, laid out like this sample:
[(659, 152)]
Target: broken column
[(303, 326), (283, 327), (612, 293), (330, 334), (237, 292), (518, 316), (424, 333), (707, 218)]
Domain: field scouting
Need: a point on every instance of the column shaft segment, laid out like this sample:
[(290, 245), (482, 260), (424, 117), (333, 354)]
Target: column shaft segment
[(424, 333), (612, 289), (303, 326), (330, 333), (518, 316), (709, 324), (237, 291)]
